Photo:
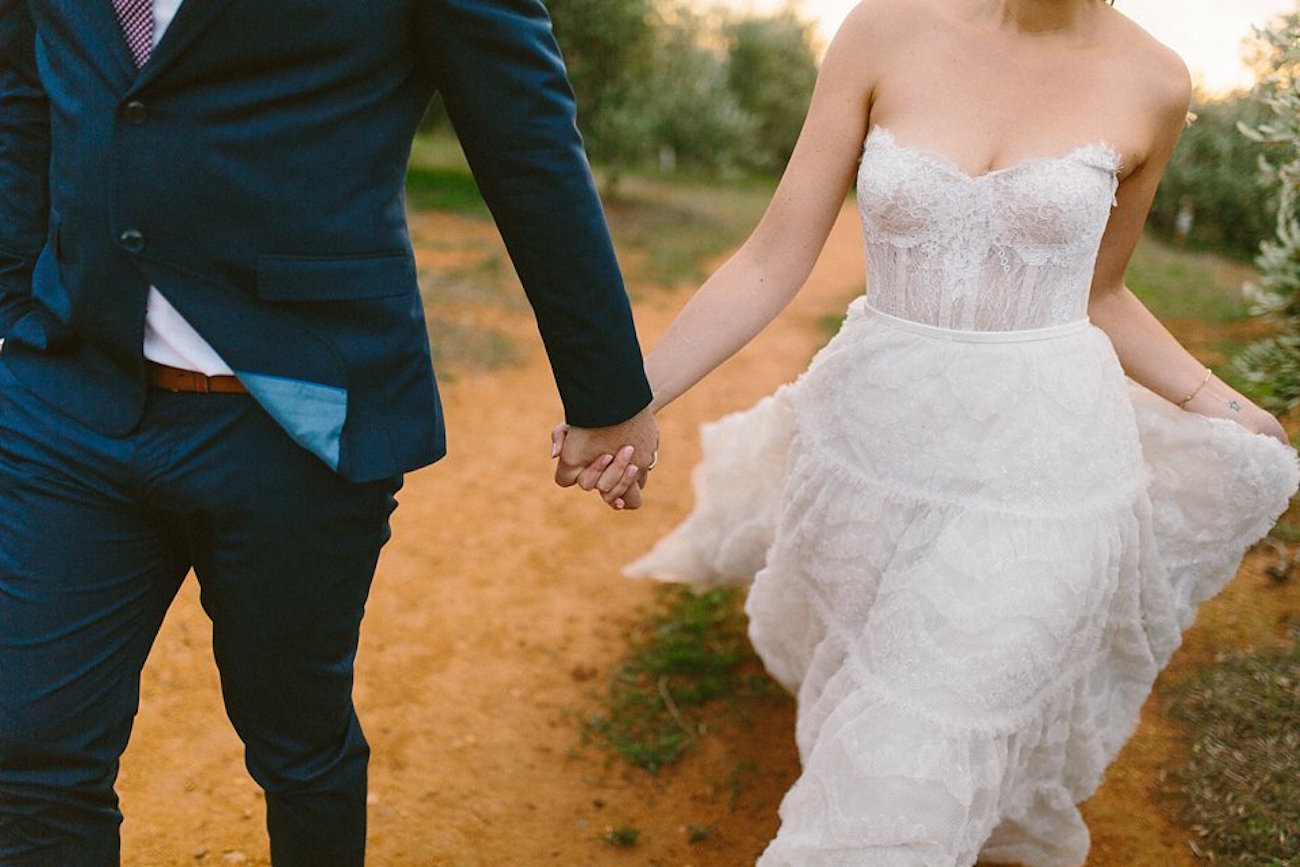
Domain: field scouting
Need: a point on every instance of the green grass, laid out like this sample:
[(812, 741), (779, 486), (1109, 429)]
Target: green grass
[(443, 189), (1188, 284), (438, 178), (622, 837), (1240, 790), (693, 652)]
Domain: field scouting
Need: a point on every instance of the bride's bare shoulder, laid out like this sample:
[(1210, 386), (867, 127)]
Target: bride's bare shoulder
[(1153, 69), (877, 31), (883, 23)]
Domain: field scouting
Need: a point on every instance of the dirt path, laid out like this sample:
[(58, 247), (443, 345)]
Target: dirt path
[(491, 623)]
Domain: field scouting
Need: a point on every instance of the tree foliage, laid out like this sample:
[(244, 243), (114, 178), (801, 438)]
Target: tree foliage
[(1274, 364), (696, 116), (609, 49), (658, 83), (772, 70), (1215, 173)]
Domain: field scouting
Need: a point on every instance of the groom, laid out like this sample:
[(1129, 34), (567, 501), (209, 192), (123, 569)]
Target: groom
[(214, 357)]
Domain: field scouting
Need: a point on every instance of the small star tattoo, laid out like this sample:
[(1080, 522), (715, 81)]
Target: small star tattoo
[(1235, 406)]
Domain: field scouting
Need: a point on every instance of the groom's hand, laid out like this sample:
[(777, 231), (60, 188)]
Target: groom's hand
[(614, 460)]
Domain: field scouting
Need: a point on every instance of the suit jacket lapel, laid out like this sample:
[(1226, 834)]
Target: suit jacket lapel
[(191, 19)]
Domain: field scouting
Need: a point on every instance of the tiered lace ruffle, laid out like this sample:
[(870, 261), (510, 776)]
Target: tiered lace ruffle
[(970, 560)]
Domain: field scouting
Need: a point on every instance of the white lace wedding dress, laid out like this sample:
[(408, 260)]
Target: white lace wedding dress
[(972, 542)]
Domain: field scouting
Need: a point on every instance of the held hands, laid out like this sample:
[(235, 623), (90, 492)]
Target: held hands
[(613, 460)]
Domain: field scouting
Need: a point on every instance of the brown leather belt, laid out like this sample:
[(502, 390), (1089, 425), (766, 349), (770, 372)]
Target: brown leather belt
[(174, 379)]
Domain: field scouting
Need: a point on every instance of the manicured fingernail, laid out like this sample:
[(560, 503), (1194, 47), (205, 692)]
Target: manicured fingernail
[(618, 504), (631, 472), (555, 449), (606, 460)]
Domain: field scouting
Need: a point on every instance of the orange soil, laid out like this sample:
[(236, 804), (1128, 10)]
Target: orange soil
[(497, 614)]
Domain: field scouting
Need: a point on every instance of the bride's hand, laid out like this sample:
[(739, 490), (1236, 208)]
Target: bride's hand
[(613, 476), (1218, 400)]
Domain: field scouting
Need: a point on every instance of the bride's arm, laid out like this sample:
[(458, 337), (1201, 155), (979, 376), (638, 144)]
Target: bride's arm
[(761, 278), (1146, 349)]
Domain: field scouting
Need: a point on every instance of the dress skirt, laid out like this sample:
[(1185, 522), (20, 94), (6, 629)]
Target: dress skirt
[(970, 553)]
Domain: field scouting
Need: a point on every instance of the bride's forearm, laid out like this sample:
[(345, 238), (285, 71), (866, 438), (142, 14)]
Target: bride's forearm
[(732, 306), (1151, 356)]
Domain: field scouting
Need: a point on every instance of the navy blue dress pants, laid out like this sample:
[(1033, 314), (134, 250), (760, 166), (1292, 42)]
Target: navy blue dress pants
[(96, 535)]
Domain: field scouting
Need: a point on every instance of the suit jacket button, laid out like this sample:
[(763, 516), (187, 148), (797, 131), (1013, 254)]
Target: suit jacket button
[(132, 240), (135, 112)]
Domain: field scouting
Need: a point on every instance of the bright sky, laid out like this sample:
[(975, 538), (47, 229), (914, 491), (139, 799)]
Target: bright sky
[(1207, 33)]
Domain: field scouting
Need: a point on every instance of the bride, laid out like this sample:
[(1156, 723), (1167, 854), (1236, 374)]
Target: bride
[(978, 523)]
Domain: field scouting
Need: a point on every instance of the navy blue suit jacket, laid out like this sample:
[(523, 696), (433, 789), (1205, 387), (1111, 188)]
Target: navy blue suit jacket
[(253, 171)]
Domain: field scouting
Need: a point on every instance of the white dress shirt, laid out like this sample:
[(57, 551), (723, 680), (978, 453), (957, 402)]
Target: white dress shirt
[(168, 338)]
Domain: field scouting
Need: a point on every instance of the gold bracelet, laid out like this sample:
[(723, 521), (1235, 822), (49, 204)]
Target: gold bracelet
[(1182, 404)]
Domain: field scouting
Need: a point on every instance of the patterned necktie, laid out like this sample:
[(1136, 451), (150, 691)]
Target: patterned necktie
[(136, 18)]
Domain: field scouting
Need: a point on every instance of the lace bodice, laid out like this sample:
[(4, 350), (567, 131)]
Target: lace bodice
[(1004, 251)]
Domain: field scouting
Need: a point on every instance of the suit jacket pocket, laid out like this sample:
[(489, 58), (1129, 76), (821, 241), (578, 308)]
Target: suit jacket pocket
[(350, 278)]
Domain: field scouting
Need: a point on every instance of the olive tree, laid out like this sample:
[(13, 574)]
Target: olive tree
[(772, 68), (1273, 364)]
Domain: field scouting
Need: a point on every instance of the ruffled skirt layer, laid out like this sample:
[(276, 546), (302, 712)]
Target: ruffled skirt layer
[(970, 555)]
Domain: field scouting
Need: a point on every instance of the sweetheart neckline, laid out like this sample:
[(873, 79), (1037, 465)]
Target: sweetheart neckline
[(942, 160)]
